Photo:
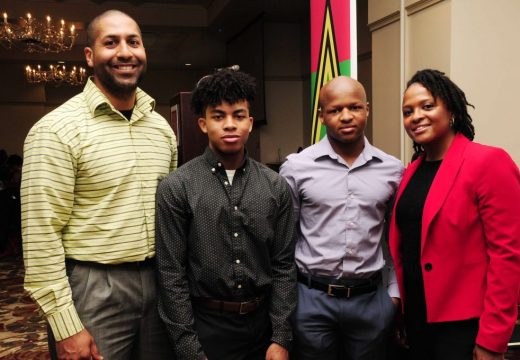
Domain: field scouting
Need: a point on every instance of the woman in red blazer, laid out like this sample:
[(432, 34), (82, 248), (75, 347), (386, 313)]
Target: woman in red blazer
[(455, 230)]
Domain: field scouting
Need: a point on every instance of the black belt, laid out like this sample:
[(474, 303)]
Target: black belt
[(238, 307), (127, 265), (342, 287)]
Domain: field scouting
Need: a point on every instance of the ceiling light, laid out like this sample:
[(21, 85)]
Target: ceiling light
[(34, 36)]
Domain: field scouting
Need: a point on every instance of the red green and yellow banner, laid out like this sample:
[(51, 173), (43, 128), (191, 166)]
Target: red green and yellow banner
[(333, 49)]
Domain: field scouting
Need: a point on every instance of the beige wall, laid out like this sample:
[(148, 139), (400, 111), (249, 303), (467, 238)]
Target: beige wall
[(428, 39), (386, 90), (284, 86), (484, 63), (473, 41), (283, 133), (383, 23)]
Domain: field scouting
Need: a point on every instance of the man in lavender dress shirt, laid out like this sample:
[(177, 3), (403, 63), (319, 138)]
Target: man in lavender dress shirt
[(341, 189)]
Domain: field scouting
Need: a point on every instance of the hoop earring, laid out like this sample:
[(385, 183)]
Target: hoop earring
[(452, 121)]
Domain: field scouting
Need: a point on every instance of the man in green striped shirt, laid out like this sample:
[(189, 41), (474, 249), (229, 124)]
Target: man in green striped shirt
[(91, 170)]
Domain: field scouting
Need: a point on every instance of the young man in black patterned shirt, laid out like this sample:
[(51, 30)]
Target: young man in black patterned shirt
[(225, 238)]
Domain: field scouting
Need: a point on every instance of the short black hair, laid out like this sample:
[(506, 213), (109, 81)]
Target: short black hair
[(226, 85), (440, 86)]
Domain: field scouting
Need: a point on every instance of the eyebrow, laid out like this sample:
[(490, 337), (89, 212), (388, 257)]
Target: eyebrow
[(115, 36), (355, 103), (234, 112)]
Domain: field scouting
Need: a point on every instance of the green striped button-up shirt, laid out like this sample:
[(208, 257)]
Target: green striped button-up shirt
[(88, 193)]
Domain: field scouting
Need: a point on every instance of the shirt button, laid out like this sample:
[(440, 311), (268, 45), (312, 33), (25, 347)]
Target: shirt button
[(236, 208), (235, 234), (219, 164), (212, 169), (237, 261), (239, 286), (428, 267)]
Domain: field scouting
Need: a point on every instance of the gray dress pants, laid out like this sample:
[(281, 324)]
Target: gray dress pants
[(117, 304)]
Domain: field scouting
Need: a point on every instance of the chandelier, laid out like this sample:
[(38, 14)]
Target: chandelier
[(57, 74), (34, 36)]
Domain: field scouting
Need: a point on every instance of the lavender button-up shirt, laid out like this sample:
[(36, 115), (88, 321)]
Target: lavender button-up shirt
[(341, 210)]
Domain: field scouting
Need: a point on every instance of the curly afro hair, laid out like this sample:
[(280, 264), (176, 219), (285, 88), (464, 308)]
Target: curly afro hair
[(226, 85)]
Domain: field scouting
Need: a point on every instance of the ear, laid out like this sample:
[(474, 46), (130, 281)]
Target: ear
[(89, 54), (368, 109), (251, 123), (320, 116), (202, 125)]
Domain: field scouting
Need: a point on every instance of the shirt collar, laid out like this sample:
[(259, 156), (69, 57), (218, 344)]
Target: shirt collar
[(215, 163), (324, 148), (97, 101)]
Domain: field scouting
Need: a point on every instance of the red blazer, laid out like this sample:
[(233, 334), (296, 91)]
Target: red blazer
[(470, 240)]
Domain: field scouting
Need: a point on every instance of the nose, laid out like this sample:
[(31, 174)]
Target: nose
[(229, 123), (417, 115), (345, 114), (123, 50)]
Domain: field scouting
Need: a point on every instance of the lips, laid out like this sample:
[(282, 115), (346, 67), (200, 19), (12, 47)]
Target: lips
[(230, 138), (420, 128), (347, 129), (124, 68)]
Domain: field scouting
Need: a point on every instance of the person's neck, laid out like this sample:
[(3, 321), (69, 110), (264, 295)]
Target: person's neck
[(119, 101), (230, 161), (437, 151), (348, 151)]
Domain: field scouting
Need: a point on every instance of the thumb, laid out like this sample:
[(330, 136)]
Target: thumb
[(94, 351)]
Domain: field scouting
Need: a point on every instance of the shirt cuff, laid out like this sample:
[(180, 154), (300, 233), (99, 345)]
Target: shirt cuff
[(393, 291), (284, 340), (393, 287), (65, 323)]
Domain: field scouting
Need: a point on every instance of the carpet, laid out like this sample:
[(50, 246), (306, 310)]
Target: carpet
[(23, 333)]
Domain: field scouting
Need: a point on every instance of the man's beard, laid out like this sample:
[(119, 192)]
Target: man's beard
[(111, 83)]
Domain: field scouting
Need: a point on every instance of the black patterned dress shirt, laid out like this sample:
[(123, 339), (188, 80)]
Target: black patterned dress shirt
[(224, 241)]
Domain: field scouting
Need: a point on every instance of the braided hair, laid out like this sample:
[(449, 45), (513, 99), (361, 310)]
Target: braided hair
[(440, 86), (226, 85)]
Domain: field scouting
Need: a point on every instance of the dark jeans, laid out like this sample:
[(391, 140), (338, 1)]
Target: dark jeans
[(229, 336)]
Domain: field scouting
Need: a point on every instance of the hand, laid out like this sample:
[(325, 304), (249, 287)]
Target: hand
[(397, 302), (77, 347), (399, 328), (276, 352), (479, 353)]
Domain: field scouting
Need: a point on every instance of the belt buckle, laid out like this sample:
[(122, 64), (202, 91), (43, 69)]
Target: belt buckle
[(334, 286), (242, 310)]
